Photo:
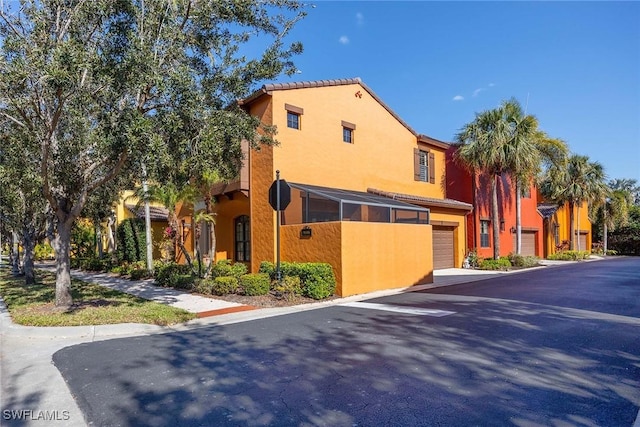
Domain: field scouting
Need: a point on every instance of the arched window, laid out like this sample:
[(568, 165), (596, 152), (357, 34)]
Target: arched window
[(243, 238)]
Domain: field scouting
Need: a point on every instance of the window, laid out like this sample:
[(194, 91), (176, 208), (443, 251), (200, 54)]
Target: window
[(423, 162), (347, 132), (526, 192), (423, 166), (293, 120), (484, 233), (293, 116), (242, 238), (556, 234), (347, 135)]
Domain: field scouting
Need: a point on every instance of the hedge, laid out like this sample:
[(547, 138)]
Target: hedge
[(317, 279), (131, 246), (255, 284)]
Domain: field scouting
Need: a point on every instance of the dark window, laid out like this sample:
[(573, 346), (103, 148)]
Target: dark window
[(347, 135), (484, 234), (243, 240), (293, 120), (556, 234)]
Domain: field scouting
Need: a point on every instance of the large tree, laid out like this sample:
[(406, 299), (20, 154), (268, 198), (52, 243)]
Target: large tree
[(528, 151), (483, 149), (96, 85), (579, 181)]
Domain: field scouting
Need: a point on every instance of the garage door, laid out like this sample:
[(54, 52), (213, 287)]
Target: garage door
[(583, 243), (443, 253), (528, 243)]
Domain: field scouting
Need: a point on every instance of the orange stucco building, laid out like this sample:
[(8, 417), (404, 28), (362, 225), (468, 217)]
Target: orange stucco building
[(367, 189), (477, 190), (557, 227)]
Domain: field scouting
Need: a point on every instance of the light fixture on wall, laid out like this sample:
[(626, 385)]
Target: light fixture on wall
[(513, 230), (502, 225)]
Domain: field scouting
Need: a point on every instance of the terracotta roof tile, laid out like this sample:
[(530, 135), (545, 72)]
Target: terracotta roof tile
[(156, 213)]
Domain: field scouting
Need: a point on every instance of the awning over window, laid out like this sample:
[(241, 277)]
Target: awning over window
[(310, 203)]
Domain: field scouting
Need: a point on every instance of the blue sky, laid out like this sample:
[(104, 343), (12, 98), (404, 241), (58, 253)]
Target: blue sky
[(574, 65)]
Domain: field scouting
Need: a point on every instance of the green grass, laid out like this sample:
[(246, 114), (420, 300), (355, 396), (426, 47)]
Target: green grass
[(33, 305)]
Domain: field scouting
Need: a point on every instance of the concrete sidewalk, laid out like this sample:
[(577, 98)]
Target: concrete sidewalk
[(30, 382)]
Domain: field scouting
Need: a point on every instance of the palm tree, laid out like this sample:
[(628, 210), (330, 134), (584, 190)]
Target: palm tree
[(581, 180), (169, 195), (482, 148), (199, 218), (529, 149), (522, 153)]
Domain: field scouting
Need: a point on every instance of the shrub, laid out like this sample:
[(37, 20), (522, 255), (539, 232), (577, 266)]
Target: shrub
[(140, 273), (131, 240), (43, 251), (289, 288), (224, 268), (473, 259), (317, 279), (569, 256), (523, 261), (203, 286), (501, 263), (95, 264), (255, 284), (174, 275), (225, 285)]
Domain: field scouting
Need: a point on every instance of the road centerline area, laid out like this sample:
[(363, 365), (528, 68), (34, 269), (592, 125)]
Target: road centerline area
[(399, 309)]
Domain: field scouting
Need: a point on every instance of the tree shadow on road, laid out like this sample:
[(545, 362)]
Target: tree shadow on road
[(504, 361)]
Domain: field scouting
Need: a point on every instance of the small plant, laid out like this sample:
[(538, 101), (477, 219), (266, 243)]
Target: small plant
[(569, 256), (501, 263), (224, 285), (203, 286), (317, 278), (523, 261), (224, 268), (140, 273), (255, 284), (174, 275), (43, 251), (473, 259), (288, 288)]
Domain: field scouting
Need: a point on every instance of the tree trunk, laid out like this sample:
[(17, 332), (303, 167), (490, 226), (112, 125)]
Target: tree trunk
[(577, 231), (495, 217), (62, 246), (212, 236), (518, 218), (572, 226), (29, 246), (15, 255)]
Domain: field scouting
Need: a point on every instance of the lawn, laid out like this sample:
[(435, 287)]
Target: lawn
[(33, 305)]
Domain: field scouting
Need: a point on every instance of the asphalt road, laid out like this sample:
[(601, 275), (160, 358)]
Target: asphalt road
[(558, 346)]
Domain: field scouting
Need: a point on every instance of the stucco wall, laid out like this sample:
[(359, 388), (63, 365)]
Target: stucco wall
[(378, 256), (325, 245), (227, 210), (381, 155), (365, 256), (261, 175)]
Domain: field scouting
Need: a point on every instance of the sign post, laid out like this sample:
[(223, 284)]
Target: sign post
[(279, 199)]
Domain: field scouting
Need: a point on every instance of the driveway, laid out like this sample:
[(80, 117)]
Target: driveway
[(554, 346)]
